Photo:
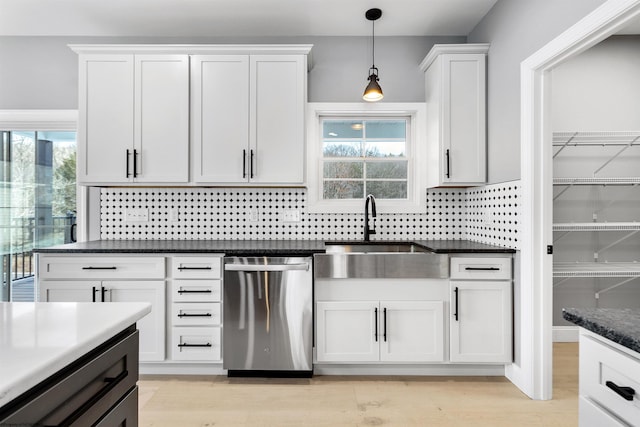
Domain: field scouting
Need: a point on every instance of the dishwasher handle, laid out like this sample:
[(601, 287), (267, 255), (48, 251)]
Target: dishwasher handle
[(268, 267)]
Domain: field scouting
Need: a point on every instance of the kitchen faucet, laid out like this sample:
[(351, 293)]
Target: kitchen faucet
[(367, 230)]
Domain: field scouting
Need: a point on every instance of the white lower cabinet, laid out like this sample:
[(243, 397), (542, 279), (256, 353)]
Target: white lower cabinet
[(609, 383), (379, 331), (480, 322), (481, 309), (195, 320), (151, 327)]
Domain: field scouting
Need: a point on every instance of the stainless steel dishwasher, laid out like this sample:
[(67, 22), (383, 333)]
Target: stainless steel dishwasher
[(268, 316)]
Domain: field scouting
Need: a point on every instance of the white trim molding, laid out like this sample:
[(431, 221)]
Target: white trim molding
[(39, 120), (416, 111), (566, 333), (534, 372)]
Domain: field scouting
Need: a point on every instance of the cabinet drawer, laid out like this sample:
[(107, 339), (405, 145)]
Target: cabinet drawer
[(196, 267), (101, 267), (195, 290), (196, 343), (591, 415), (195, 313), (602, 368), (481, 268)]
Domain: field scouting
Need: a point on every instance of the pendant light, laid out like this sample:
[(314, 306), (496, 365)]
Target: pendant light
[(373, 91)]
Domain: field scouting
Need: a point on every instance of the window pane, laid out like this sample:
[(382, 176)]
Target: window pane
[(37, 202), (387, 170), (342, 129), (342, 148), (385, 149), (387, 189), (343, 190), (343, 170), (396, 129)]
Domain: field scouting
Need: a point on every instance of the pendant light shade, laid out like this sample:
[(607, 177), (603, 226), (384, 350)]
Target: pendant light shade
[(373, 91)]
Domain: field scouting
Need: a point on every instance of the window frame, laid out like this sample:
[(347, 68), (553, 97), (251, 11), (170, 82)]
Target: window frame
[(416, 155)]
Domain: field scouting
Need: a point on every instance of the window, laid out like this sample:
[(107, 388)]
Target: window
[(37, 196), (361, 149)]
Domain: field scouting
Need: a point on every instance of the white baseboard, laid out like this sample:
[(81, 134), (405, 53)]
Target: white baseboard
[(565, 334)]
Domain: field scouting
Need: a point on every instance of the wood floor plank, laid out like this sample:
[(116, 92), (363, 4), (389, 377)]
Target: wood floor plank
[(360, 401)]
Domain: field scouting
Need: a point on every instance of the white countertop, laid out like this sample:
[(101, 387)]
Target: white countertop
[(38, 339)]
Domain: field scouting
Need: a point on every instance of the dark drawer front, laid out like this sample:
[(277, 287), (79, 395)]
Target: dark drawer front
[(82, 393)]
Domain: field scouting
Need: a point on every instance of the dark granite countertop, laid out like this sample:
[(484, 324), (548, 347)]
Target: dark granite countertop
[(252, 247), (620, 325)]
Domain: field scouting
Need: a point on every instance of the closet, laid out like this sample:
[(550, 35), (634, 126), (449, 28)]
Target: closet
[(596, 179)]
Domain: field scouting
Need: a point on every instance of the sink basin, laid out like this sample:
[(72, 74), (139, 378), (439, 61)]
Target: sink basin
[(379, 260)]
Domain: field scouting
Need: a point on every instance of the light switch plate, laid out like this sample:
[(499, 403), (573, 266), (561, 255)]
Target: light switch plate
[(291, 215), (136, 215)]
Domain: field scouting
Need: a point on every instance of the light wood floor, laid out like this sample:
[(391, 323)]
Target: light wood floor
[(360, 401)]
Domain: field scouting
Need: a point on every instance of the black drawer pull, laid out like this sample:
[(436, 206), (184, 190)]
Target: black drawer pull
[(99, 268), (186, 291), (194, 268), (117, 379), (195, 345), (482, 268), (626, 393), (194, 315), (456, 291)]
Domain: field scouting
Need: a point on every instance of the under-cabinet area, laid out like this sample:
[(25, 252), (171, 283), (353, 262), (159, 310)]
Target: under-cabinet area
[(436, 314)]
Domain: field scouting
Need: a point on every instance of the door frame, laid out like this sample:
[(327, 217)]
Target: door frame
[(533, 371)]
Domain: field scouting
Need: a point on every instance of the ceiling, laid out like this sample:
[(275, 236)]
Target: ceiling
[(238, 18)]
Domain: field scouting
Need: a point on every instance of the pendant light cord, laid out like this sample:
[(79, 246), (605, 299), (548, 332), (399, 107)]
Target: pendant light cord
[(373, 44)]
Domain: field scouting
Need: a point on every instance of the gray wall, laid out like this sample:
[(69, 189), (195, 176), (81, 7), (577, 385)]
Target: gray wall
[(516, 29), (41, 72), (598, 90)]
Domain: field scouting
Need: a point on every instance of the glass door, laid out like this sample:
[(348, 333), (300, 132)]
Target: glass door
[(37, 203)]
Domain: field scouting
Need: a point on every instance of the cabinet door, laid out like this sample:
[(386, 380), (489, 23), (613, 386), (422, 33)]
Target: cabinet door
[(347, 331), (66, 291), (220, 118), (152, 326), (278, 97), (481, 321), (412, 331), (161, 118), (105, 126)]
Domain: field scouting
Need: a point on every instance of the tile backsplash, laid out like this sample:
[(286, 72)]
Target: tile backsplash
[(487, 214)]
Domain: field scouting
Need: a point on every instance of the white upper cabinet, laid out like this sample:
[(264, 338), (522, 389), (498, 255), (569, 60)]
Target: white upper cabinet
[(248, 118), (455, 80), (235, 113), (134, 119)]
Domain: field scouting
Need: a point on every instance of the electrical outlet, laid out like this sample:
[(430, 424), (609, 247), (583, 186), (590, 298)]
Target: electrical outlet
[(253, 215), (291, 215), (136, 215), (174, 215)]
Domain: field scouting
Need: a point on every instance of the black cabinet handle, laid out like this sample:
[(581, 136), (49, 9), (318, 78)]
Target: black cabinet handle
[(482, 268), (195, 345), (93, 293), (194, 268), (375, 319), (384, 315), (244, 163), (102, 292), (186, 291), (626, 393), (99, 268), (128, 154), (455, 313), (194, 315), (251, 169), (448, 163), (135, 163)]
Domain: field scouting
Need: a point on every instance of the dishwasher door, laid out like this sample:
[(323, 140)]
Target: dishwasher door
[(268, 316)]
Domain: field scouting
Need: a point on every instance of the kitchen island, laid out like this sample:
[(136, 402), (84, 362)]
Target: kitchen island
[(609, 365), (56, 357)]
